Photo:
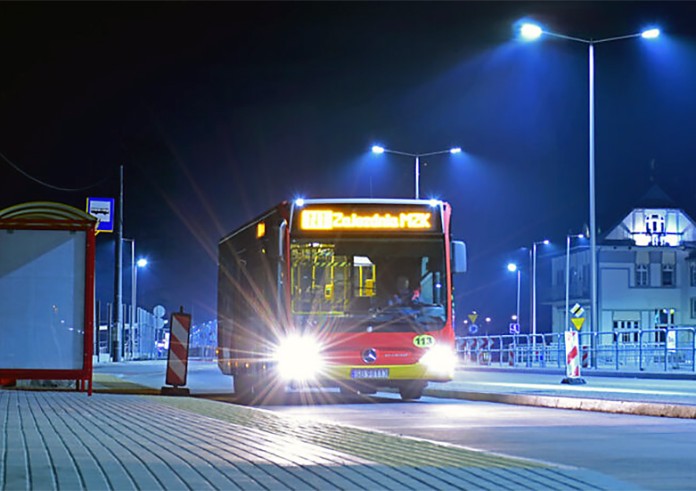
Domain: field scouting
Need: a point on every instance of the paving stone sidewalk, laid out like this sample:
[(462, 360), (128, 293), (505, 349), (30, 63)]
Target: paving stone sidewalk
[(64, 440)]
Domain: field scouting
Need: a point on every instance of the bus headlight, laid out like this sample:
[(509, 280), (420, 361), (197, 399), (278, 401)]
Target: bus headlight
[(440, 360), (299, 358)]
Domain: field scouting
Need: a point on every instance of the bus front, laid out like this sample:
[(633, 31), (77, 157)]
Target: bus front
[(369, 295)]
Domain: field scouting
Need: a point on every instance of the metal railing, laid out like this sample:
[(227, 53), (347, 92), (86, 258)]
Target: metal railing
[(663, 349)]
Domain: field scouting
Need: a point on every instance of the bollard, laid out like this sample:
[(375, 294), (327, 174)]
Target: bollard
[(511, 356), (483, 351), (572, 359), (585, 356)]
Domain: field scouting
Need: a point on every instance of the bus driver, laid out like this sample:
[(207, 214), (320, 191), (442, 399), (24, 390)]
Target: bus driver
[(404, 295)]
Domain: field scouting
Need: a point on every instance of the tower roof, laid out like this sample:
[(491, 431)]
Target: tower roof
[(655, 197)]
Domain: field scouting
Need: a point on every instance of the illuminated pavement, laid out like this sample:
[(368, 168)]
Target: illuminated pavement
[(52, 440)]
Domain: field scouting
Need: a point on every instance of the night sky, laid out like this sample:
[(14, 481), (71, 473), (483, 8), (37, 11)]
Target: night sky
[(218, 111)]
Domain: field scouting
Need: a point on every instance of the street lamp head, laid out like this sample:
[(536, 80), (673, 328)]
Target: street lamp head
[(530, 31), (142, 262), (377, 149), (512, 267), (455, 150), (546, 241), (650, 33)]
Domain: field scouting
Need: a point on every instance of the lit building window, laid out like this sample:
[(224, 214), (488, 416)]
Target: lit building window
[(656, 227)]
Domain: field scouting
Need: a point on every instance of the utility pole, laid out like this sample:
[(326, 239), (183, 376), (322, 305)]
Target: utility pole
[(118, 284)]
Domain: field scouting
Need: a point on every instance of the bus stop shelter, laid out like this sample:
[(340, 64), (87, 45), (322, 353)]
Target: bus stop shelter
[(47, 255)]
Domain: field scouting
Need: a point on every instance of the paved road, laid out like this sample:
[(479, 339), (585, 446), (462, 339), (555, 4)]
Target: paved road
[(654, 453)]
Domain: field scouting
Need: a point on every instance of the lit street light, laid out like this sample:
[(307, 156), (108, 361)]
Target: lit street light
[(531, 32), (417, 156), (512, 267)]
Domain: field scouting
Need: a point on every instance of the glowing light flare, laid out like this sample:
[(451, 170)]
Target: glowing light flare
[(141, 263), (440, 359), (650, 33), (530, 31), (299, 358), (512, 267), (377, 149), (455, 150)]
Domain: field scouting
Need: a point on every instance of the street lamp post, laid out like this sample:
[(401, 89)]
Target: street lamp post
[(534, 302), (567, 277), (417, 156), (135, 264), (531, 32), (140, 263), (512, 267)]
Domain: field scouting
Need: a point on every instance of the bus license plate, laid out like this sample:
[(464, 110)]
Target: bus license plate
[(369, 373)]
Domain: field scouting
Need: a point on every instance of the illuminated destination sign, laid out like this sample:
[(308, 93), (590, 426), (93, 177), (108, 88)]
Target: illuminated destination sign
[(328, 219)]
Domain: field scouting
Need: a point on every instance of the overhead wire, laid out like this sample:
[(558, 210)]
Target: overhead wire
[(48, 185)]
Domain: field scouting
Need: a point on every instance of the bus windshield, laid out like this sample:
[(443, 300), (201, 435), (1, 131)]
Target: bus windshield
[(377, 284)]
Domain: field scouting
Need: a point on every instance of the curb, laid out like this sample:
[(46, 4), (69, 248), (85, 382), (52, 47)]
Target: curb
[(582, 404), (586, 372)]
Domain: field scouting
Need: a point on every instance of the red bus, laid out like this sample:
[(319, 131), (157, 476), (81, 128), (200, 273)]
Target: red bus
[(347, 293)]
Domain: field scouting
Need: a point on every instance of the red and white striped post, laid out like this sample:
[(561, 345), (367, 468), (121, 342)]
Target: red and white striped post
[(585, 357), (482, 352), (177, 359), (511, 355), (572, 359)]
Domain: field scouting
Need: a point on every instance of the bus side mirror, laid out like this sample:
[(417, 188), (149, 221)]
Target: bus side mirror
[(458, 256)]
